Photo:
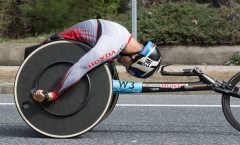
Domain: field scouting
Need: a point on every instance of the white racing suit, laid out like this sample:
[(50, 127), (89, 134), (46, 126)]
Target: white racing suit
[(107, 40)]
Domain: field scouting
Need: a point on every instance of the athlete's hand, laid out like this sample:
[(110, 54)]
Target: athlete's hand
[(39, 96)]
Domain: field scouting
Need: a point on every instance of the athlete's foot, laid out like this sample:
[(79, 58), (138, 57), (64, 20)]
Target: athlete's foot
[(42, 96)]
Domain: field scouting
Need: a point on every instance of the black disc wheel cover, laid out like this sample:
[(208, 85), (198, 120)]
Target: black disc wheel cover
[(74, 103), (76, 123)]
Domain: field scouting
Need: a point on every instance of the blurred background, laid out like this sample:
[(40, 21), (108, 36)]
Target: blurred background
[(171, 22)]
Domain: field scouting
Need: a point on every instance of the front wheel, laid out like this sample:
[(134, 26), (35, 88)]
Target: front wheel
[(230, 104)]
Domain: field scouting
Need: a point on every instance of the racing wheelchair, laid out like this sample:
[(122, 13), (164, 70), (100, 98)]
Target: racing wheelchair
[(94, 97)]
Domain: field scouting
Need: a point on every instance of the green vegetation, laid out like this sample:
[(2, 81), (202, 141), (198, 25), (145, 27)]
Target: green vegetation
[(25, 18), (185, 23), (236, 59)]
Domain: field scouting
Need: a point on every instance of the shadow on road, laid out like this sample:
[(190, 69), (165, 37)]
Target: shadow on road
[(18, 130)]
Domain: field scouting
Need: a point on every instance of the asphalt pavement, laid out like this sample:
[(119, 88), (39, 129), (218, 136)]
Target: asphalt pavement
[(137, 119)]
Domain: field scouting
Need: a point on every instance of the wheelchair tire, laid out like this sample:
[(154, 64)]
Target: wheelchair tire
[(70, 124), (230, 104)]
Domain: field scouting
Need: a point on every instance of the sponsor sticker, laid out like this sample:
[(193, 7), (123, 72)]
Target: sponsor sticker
[(102, 58), (165, 85), (147, 62), (154, 89)]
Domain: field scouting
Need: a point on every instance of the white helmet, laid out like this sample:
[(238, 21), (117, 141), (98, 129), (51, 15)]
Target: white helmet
[(147, 62)]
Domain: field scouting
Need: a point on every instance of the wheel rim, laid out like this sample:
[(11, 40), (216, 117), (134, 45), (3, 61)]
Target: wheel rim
[(231, 105), (67, 126), (71, 111)]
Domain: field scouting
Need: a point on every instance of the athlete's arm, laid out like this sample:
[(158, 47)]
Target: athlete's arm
[(105, 49)]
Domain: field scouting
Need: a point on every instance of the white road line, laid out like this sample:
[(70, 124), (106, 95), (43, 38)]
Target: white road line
[(169, 105), (152, 105), (7, 103)]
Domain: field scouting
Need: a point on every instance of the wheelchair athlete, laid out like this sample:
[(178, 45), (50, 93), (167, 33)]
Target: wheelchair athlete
[(108, 40)]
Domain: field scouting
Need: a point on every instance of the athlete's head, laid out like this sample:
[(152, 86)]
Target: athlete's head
[(143, 63)]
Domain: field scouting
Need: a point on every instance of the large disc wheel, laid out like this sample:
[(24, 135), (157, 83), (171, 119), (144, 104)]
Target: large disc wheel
[(76, 111), (231, 105)]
